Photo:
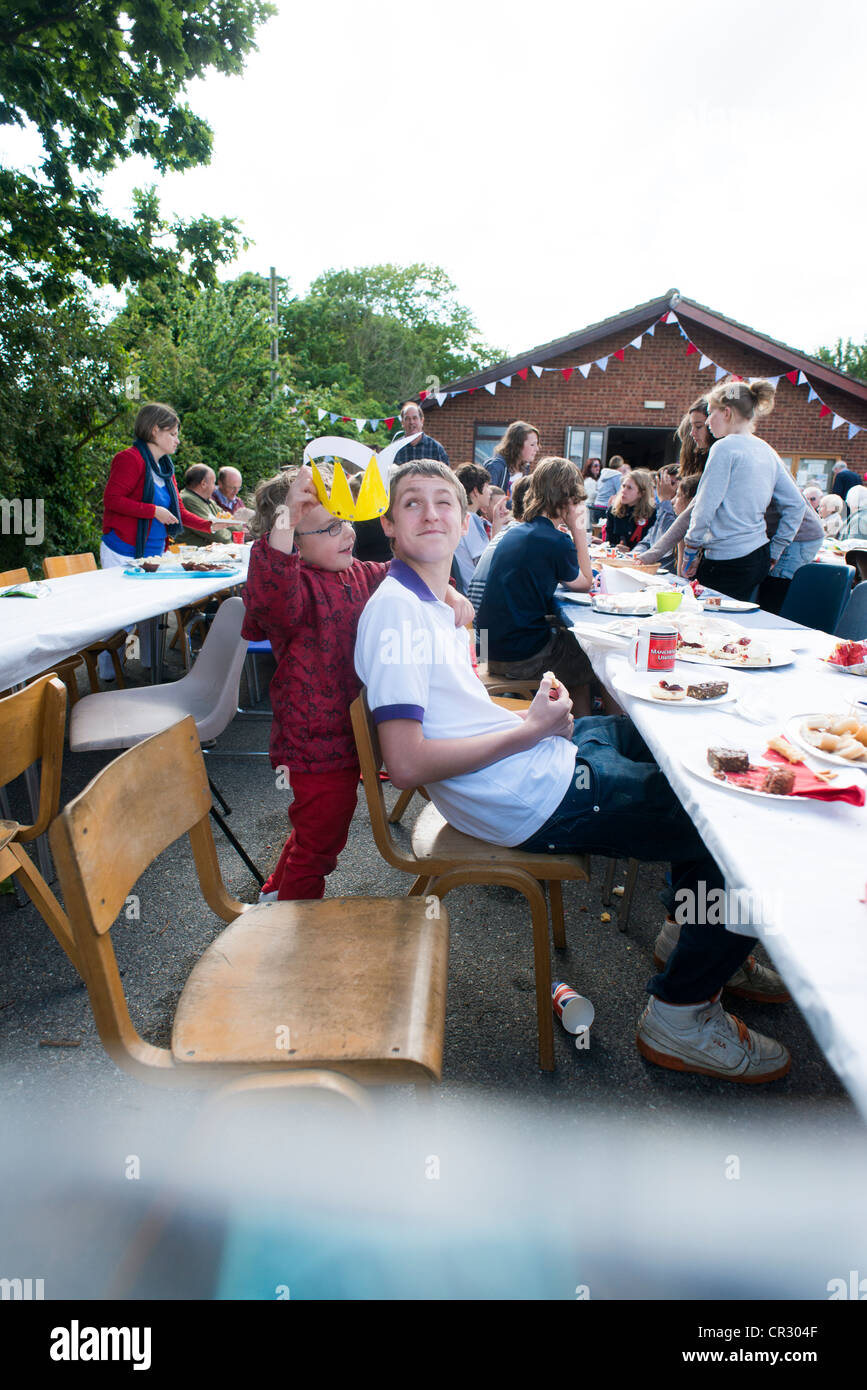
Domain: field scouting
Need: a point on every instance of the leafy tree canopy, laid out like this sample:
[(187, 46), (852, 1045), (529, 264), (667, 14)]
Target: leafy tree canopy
[(101, 80), (852, 358), (379, 334)]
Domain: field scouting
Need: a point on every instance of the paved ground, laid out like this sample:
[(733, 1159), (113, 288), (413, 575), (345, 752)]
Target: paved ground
[(491, 1035)]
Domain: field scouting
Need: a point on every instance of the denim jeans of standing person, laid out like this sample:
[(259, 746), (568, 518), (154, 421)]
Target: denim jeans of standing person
[(795, 555), (738, 578), (623, 807)]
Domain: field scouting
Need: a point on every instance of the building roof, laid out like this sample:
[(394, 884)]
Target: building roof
[(687, 310)]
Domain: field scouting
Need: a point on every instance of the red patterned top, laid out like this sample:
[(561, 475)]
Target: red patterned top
[(309, 615)]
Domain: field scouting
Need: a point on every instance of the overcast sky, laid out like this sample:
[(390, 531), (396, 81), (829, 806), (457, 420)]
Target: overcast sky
[(562, 160)]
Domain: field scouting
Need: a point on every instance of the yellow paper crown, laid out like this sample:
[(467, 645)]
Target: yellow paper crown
[(373, 496)]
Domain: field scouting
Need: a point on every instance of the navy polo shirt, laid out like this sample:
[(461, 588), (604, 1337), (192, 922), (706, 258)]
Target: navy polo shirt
[(528, 564)]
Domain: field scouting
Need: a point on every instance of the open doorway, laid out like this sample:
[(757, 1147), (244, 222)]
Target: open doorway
[(643, 448)]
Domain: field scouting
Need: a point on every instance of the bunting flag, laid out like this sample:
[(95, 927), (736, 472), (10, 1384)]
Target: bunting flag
[(797, 377)]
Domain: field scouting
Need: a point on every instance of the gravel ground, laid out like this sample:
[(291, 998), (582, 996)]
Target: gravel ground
[(490, 1026)]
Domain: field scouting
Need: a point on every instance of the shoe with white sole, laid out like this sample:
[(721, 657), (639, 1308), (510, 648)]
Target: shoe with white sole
[(752, 980), (709, 1042), (268, 897)]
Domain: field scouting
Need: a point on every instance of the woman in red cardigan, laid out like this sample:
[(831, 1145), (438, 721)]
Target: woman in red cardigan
[(141, 504)]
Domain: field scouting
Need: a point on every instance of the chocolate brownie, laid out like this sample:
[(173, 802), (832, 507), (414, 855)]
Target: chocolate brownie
[(728, 759)]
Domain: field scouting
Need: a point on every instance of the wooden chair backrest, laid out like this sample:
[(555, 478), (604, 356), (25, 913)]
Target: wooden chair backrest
[(134, 809), (8, 577), (31, 727), (370, 758), (58, 566)]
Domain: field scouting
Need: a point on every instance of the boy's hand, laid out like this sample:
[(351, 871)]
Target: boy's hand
[(462, 608), (499, 515), (551, 711), (302, 495)]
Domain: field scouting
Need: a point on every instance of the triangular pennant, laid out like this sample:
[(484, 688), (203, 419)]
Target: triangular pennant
[(690, 349), (389, 423), (491, 386), (505, 381), (618, 354), (735, 377), (359, 425), (602, 363), (704, 362), (374, 425), (812, 395), (567, 372), (837, 422), (719, 372), (666, 317), (538, 371), (636, 342), (802, 379), (826, 410), (472, 390), (584, 369), (774, 380), (651, 330), (321, 413), (854, 429), (441, 396), (792, 377), (522, 373), (345, 419), (423, 395), (333, 418)]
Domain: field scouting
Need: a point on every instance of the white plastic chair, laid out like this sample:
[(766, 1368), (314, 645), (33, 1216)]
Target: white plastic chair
[(123, 718)]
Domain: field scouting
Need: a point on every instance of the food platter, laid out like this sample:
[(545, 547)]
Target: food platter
[(780, 657), (794, 731), (729, 605), (166, 573), (695, 762)]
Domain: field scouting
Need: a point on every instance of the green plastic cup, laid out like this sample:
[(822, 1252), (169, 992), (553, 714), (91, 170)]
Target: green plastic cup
[(668, 600)]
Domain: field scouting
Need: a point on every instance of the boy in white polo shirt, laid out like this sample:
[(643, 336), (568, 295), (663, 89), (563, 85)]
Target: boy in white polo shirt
[(536, 782)]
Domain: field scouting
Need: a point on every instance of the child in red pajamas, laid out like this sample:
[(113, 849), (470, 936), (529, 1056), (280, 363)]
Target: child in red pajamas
[(305, 593)]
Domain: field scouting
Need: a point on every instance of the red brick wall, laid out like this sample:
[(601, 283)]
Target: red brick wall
[(661, 371)]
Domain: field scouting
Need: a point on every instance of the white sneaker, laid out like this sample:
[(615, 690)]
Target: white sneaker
[(268, 897), (752, 980), (710, 1042)]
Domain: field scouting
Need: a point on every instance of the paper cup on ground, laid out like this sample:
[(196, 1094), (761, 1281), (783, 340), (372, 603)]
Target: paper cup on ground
[(574, 1011), (667, 600)]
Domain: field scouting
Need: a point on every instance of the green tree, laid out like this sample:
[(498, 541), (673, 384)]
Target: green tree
[(376, 335), (851, 358), (101, 81)]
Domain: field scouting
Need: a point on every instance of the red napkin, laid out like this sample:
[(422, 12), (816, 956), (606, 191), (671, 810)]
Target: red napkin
[(806, 782)]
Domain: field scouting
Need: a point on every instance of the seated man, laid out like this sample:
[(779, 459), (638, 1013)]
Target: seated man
[(197, 496), (537, 783), (227, 496)]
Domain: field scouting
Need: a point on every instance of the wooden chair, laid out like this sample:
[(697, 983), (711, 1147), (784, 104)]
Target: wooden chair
[(31, 728), (64, 669), (442, 858), (58, 567), (353, 986)]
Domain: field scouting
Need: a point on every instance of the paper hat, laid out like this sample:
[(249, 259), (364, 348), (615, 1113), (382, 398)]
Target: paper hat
[(373, 497)]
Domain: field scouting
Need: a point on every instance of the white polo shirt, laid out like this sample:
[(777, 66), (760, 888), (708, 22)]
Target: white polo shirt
[(416, 665)]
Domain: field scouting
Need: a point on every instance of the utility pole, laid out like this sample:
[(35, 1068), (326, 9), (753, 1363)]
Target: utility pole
[(274, 341)]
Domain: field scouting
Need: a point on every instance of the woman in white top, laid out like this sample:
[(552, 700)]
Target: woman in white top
[(741, 477), (830, 510)]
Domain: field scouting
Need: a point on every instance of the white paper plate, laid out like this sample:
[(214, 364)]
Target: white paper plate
[(697, 764), (793, 731), (595, 632), (639, 683), (841, 670), (780, 657), (570, 596), (729, 605)]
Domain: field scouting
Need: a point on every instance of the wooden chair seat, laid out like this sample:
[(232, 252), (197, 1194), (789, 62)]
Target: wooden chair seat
[(354, 987), (504, 685), (438, 847), (350, 978)]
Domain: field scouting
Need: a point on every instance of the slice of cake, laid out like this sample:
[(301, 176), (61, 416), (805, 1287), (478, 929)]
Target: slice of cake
[(778, 780), (708, 690), (728, 759)]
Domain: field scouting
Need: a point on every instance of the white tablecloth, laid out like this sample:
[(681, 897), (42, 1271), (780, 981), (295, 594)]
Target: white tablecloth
[(804, 862), (84, 608)]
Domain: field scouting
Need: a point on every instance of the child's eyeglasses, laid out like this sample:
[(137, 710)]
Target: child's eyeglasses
[(333, 530)]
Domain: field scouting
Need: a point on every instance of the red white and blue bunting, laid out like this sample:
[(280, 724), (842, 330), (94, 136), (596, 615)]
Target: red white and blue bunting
[(796, 377)]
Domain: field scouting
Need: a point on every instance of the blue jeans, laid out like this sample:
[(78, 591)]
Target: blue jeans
[(619, 805), (796, 554)]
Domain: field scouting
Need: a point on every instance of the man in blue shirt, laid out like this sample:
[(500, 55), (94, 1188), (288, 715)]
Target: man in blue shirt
[(412, 419)]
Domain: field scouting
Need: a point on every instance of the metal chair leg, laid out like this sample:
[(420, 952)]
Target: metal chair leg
[(608, 881), (237, 846)]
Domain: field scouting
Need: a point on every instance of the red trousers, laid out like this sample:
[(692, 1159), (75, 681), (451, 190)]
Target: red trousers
[(320, 816)]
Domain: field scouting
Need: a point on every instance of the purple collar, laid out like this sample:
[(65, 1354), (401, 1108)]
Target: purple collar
[(406, 575)]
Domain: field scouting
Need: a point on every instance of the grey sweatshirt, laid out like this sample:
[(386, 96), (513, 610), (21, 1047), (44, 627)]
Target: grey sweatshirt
[(728, 518)]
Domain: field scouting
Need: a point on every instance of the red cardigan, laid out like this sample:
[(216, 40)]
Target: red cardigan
[(122, 504), (310, 617)]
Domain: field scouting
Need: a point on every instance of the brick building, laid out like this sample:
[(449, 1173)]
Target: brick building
[(634, 405)]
